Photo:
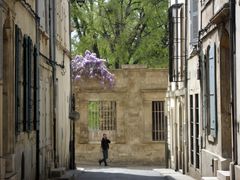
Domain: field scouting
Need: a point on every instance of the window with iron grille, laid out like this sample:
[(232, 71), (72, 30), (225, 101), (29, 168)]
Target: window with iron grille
[(191, 130), (102, 115), (197, 129), (158, 121), (194, 130)]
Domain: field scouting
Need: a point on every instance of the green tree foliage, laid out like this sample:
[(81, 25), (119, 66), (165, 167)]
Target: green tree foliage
[(122, 31)]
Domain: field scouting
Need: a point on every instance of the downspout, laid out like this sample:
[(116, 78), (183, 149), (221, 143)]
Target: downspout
[(53, 58), (72, 123), (1, 89), (36, 92), (185, 169), (54, 85), (232, 37), (176, 53)]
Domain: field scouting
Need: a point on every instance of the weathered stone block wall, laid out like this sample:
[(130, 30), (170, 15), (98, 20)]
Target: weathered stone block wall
[(136, 88)]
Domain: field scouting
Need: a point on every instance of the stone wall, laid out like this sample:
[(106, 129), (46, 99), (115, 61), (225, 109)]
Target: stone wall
[(136, 87)]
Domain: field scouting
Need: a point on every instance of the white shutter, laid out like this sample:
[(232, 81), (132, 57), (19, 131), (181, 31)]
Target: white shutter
[(212, 92)]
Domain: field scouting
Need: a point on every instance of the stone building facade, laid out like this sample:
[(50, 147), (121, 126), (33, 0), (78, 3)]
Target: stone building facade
[(131, 114), (183, 97), (211, 36), (215, 86), (34, 109), (176, 95)]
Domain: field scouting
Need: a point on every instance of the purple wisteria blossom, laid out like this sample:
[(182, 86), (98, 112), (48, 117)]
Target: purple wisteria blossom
[(89, 66)]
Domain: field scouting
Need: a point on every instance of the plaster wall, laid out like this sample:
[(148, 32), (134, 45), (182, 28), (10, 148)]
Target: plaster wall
[(63, 107)]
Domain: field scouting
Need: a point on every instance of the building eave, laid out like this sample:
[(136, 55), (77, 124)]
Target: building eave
[(222, 15)]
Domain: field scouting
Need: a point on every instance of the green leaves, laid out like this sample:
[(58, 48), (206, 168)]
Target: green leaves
[(122, 31)]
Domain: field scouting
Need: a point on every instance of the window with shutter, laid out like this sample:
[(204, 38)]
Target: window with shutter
[(25, 82), (30, 84), (194, 21), (212, 91), (203, 85), (36, 85), (17, 74)]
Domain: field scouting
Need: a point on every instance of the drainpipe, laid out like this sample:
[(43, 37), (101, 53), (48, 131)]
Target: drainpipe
[(185, 165), (72, 104), (71, 165), (52, 52), (232, 37), (36, 92), (54, 84)]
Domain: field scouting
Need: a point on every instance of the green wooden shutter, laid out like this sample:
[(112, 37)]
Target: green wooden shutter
[(212, 91), (17, 93), (36, 86), (30, 100), (25, 70)]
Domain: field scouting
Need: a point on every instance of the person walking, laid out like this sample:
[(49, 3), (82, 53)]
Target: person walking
[(105, 146)]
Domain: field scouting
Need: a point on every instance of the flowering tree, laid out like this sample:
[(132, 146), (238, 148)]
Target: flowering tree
[(89, 66)]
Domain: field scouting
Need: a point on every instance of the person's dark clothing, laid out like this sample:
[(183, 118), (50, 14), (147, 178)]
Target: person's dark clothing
[(105, 147), (105, 143)]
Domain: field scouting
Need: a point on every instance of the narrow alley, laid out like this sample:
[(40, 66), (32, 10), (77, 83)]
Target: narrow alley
[(149, 88)]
